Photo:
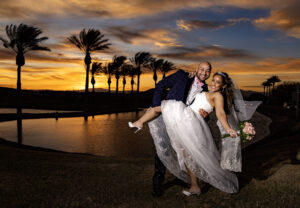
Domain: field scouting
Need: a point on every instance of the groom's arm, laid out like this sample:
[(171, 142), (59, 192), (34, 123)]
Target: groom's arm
[(164, 84)]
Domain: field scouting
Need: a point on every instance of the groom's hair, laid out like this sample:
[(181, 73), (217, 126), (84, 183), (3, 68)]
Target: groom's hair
[(205, 62)]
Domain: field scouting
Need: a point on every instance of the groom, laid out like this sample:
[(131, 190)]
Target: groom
[(182, 88)]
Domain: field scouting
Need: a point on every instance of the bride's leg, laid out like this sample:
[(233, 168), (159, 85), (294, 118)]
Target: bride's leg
[(194, 182), (149, 115)]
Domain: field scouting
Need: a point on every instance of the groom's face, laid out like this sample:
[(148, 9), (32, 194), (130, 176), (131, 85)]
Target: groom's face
[(203, 72)]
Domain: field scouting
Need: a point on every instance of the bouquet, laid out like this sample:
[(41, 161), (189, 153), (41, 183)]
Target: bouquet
[(246, 131)]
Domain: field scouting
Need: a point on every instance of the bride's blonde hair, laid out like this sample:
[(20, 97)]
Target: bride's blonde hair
[(227, 91)]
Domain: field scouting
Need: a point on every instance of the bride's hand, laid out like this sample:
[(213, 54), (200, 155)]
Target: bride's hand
[(233, 133)]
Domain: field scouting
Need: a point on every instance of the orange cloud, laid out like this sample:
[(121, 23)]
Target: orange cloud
[(118, 8), (157, 37), (205, 52), (286, 19), (195, 24)]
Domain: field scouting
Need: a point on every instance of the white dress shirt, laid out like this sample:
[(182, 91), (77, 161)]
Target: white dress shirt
[(195, 88)]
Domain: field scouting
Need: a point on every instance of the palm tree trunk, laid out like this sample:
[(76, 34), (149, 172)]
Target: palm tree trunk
[(87, 61), (138, 79), (132, 83), (117, 86), (109, 82), (155, 77), (19, 106), (86, 99), (124, 83)]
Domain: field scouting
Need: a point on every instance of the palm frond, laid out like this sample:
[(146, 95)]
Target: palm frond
[(23, 38)]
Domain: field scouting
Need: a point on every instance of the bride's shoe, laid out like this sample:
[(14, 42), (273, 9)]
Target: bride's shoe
[(187, 193), (130, 124)]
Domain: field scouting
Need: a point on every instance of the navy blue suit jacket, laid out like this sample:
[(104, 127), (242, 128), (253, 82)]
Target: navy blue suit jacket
[(179, 84)]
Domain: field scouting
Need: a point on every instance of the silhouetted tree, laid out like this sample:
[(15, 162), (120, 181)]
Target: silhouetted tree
[(287, 92), (166, 67), (132, 74), (273, 80), (268, 85), (154, 65), (89, 41), (118, 61), (22, 38), (265, 85), (110, 69), (96, 69), (125, 70), (140, 60)]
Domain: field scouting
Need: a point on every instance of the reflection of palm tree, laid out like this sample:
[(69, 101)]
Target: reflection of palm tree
[(89, 41), (139, 60), (96, 69), (125, 70), (166, 67), (117, 63), (22, 38), (154, 65)]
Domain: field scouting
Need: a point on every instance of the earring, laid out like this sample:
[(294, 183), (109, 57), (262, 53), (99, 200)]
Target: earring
[(223, 89)]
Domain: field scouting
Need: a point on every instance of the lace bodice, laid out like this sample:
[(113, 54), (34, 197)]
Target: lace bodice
[(201, 102)]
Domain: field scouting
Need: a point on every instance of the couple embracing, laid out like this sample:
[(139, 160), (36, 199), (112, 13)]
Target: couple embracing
[(183, 140)]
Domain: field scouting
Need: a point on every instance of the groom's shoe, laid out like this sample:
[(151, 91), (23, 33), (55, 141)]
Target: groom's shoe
[(158, 184)]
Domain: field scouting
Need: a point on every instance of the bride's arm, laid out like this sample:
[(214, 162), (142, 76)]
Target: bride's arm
[(221, 115)]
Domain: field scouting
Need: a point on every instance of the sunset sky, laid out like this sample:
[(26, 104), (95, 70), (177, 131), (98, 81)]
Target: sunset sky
[(251, 40)]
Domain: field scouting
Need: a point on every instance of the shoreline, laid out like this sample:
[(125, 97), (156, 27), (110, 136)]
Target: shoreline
[(13, 116)]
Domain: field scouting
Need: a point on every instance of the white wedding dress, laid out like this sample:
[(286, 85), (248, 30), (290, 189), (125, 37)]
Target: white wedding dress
[(182, 138)]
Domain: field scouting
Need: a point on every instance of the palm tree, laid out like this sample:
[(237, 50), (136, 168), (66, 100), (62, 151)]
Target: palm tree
[(265, 85), (22, 39), (89, 41), (139, 60), (96, 69), (273, 80), (154, 65), (132, 73), (109, 71), (268, 85), (166, 67), (125, 70), (118, 61)]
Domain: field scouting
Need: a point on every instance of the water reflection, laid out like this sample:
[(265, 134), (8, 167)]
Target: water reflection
[(105, 135)]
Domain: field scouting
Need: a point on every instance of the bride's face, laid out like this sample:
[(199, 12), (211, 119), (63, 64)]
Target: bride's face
[(216, 83)]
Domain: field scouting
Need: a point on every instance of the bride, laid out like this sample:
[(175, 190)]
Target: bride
[(191, 152)]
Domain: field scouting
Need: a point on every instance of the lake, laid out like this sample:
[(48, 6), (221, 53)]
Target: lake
[(103, 135)]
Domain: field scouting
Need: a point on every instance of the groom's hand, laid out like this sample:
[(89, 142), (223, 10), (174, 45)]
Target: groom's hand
[(203, 113), (192, 74)]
